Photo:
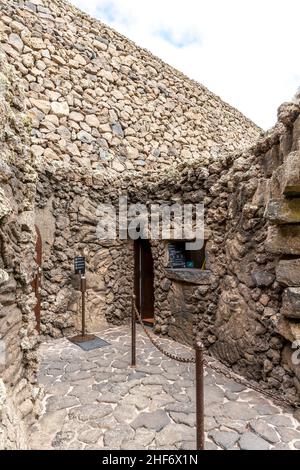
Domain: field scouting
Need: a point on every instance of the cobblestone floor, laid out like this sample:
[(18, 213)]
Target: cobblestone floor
[(94, 400)]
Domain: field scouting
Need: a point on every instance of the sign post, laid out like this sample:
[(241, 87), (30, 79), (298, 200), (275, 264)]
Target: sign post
[(79, 267)]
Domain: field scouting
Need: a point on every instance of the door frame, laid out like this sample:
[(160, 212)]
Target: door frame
[(138, 277), (36, 284)]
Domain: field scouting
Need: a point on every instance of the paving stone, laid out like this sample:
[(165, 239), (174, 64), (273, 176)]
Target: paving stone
[(280, 420), (90, 412), (188, 445), (297, 445), (156, 420), (236, 425), (210, 423), (125, 413), (174, 433), (89, 436), (235, 387), (141, 402), (210, 446), (264, 430), (250, 441), (281, 446), (288, 434), (182, 418), (223, 438), (108, 397), (143, 437), (114, 438), (60, 402), (89, 398), (266, 409), (238, 410), (62, 437), (213, 395), (154, 380)]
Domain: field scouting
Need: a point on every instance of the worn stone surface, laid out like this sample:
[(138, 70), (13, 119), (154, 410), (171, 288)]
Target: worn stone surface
[(288, 272), (291, 302), (135, 413)]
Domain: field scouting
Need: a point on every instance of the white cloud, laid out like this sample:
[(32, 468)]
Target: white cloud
[(245, 51)]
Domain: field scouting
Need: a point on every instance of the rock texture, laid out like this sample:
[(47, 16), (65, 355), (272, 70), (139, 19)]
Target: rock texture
[(18, 338), (105, 118)]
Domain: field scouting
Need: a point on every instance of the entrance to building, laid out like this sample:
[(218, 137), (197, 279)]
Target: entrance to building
[(37, 281), (144, 280)]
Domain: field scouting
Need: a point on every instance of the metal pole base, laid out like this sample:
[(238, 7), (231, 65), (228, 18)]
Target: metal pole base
[(82, 338)]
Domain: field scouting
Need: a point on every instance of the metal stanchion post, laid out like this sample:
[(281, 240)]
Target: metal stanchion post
[(83, 290), (133, 333), (199, 395)]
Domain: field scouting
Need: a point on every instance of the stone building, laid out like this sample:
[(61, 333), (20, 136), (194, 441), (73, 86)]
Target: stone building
[(87, 116)]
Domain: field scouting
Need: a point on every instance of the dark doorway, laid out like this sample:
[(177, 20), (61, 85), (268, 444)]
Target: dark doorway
[(37, 281), (144, 279)]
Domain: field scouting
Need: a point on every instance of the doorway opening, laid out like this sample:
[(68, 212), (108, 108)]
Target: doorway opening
[(144, 280)]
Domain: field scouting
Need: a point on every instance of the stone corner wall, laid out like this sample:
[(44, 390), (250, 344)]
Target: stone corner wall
[(19, 396)]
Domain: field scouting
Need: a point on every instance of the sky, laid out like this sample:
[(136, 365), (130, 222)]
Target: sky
[(245, 51)]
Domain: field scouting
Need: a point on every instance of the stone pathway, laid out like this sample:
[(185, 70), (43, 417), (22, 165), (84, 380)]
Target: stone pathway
[(94, 400)]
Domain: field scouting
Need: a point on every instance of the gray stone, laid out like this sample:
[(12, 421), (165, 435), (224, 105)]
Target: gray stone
[(173, 434), (250, 441), (85, 137), (297, 445), (291, 303), (288, 272), (90, 412), (266, 409), (288, 434), (89, 436), (225, 439), (263, 278), (62, 437), (264, 430), (280, 420), (114, 438), (125, 413), (238, 411), (156, 420), (60, 402), (182, 418), (117, 129), (16, 42)]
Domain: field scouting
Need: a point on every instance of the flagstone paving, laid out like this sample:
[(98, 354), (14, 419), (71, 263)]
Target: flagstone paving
[(95, 400)]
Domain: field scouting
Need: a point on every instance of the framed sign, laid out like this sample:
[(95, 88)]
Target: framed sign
[(79, 265)]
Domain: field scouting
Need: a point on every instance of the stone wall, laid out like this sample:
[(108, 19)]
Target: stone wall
[(98, 101), (110, 119), (18, 339)]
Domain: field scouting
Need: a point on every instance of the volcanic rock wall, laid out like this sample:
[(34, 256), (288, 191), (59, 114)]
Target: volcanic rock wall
[(100, 105), (99, 101), (18, 338)]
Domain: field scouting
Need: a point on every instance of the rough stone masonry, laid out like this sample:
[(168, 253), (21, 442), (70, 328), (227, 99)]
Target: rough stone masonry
[(86, 116)]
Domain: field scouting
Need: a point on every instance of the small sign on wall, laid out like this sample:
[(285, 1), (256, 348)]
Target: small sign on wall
[(79, 265)]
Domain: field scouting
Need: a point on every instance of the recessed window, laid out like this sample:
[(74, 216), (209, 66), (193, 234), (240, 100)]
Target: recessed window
[(180, 257)]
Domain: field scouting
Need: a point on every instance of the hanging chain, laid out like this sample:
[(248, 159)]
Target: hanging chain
[(223, 370), (155, 343)]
